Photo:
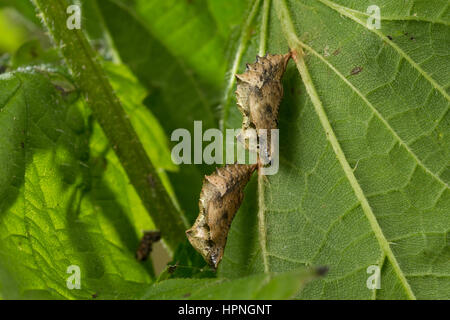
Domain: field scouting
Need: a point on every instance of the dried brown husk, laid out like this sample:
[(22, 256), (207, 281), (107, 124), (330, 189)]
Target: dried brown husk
[(220, 199), (259, 93), (146, 244)]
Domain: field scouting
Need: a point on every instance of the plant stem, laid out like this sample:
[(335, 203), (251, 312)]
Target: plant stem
[(107, 110)]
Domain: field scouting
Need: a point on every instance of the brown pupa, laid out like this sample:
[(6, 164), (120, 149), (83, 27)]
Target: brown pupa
[(221, 196), (259, 93)]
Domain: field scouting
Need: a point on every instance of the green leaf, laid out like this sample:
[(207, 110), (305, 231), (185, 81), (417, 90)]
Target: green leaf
[(26, 8), (205, 23), (32, 53), (58, 205), (126, 86), (364, 154), (11, 40), (259, 286), (108, 111), (130, 91), (186, 263), (364, 168)]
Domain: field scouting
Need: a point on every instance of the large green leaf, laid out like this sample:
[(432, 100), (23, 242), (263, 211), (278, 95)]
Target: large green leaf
[(259, 286), (195, 33), (24, 7), (364, 169), (60, 206)]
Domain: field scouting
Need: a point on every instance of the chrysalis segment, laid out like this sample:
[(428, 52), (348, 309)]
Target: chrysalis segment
[(259, 93), (221, 196)]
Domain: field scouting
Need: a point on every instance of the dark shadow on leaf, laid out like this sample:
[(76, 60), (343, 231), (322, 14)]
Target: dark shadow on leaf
[(290, 110)]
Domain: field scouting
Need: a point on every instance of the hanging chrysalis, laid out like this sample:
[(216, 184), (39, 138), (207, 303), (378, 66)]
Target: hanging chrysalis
[(259, 93), (221, 196), (146, 244)]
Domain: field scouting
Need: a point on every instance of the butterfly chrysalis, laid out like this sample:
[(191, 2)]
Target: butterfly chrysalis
[(259, 93), (221, 196)]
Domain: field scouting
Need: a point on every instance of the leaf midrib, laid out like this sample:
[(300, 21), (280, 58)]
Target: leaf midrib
[(261, 186)]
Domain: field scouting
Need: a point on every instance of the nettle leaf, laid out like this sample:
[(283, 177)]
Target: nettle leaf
[(58, 205), (207, 24), (259, 286), (364, 150)]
